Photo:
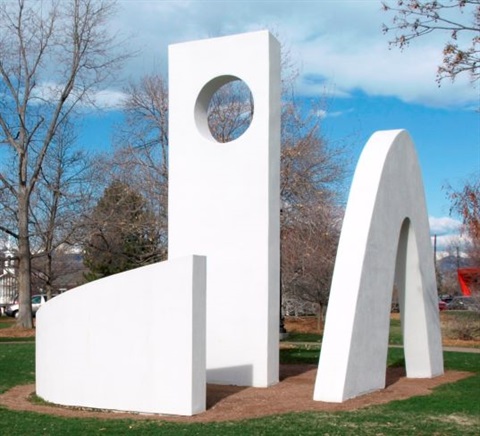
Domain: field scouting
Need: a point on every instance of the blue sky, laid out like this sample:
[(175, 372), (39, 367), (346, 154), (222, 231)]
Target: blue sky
[(342, 54)]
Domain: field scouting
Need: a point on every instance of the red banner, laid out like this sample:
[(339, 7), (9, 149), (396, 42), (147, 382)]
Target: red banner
[(466, 277)]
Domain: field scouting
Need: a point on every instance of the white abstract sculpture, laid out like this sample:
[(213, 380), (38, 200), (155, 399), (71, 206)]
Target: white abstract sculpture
[(224, 200), (385, 236), (110, 344)]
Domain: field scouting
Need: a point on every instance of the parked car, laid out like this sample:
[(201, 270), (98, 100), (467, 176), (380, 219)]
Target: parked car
[(442, 305), (464, 303), (446, 297), (37, 301)]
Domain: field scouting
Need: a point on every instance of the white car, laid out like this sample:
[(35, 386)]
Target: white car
[(37, 301)]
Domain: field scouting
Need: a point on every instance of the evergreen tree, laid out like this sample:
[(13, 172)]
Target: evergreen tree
[(122, 233)]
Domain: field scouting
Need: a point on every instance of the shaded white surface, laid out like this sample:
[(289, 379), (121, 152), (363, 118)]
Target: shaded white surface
[(224, 201), (133, 341), (385, 238)]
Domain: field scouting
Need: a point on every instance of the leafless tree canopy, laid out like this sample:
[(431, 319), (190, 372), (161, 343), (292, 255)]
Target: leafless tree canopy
[(53, 56), (459, 19), (230, 111), (63, 195), (312, 174), (466, 203), (140, 158)]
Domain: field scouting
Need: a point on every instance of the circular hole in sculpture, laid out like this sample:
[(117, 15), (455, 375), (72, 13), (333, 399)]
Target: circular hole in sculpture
[(224, 109)]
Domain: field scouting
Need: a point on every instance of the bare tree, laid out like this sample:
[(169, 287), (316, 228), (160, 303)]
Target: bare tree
[(466, 203), (140, 159), (230, 111), (53, 56), (146, 121), (460, 19), (62, 197), (312, 173), (308, 256)]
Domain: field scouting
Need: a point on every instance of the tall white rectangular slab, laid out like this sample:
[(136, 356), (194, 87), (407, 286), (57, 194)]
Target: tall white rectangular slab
[(133, 341), (224, 201)]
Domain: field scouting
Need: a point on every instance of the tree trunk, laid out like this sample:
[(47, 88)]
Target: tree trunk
[(320, 317), (49, 274), (25, 319)]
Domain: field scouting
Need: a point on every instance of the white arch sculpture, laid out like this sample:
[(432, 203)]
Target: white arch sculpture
[(385, 237)]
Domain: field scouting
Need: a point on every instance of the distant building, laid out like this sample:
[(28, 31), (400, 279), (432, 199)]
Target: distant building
[(8, 278)]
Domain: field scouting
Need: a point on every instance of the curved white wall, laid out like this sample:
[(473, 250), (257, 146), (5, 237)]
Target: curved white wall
[(385, 235), (133, 341)]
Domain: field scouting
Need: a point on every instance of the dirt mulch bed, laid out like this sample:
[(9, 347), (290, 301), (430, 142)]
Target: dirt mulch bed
[(228, 403), (13, 332)]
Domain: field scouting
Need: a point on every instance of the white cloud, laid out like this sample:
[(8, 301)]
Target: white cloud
[(448, 235), (408, 75), (46, 92), (341, 42), (322, 113), (444, 226), (107, 99), (450, 241)]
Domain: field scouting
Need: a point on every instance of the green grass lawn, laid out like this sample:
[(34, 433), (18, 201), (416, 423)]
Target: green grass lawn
[(17, 365), (395, 337), (27, 339), (6, 322), (458, 324), (450, 410), (303, 337)]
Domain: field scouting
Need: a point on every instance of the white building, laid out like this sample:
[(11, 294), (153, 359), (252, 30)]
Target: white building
[(8, 278)]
